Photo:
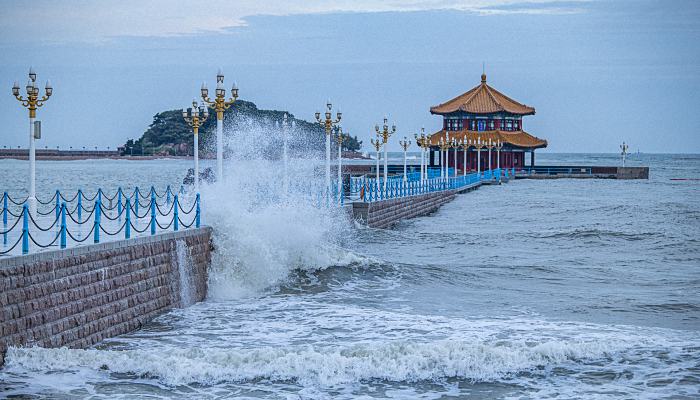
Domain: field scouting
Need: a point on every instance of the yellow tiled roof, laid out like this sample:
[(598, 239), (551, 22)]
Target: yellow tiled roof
[(482, 99)]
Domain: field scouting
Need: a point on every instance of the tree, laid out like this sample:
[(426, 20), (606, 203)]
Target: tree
[(350, 143)]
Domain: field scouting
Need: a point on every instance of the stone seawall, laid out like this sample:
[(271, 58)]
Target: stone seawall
[(77, 297), (383, 214)]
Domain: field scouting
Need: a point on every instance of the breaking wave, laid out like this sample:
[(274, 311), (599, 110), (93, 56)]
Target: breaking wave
[(263, 227)]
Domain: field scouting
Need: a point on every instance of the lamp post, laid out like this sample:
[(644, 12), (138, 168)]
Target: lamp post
[(285, 128), (422, 143), (624, 147), (444, 153), (195, 117), (328, 123), (220, 104), (498, 145), (340, 138), (479, 144), (404, 145), (32, 102), (377, 145), (465, 147), (385, 133), (455, 145), (490, 146)]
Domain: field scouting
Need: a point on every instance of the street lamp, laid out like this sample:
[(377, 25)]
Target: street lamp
[(285, 129), (385, 133), (478, 144), (465, 146), (328, 123), (404, 145), (195, 117), (32, 102), (455, 146), (422, 142), (444, 147), (377, 145), (220, 105), (498, 146), (340, 137)]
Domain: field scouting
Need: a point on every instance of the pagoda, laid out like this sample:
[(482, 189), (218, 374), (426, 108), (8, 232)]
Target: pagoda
[(485, 113)]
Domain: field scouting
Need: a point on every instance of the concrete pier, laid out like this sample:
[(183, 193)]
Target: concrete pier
[(77, 297)]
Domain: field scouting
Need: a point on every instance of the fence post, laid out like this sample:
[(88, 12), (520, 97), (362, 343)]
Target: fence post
[(127, 225), (198, 213), (167, 193), (58, 204), (175, 216), (4, 218), (80, 205), (153, 212), (25, 229), (136, 202), (99, 195), (119, 202), (63, 225), (98, 211)]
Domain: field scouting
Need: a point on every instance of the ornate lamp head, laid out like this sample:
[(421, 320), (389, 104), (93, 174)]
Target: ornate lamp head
[(220, 76), (204, 110), (184, 113), (318, 115), (49, 89), (15, 89), (30, 88), (234, 90), (32, 74), (220, 91), (205, 91)]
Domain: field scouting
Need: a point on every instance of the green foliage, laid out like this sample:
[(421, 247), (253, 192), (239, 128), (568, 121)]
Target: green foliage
[(169, 133), (350, 143)]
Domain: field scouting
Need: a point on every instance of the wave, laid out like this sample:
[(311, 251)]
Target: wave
[(263, 227), (323, 366)]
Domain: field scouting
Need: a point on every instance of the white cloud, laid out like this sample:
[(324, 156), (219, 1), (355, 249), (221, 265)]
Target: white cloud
[(95, 21)]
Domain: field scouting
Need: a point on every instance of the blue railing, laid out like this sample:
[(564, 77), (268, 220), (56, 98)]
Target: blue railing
[(371, 191), (64, 224)]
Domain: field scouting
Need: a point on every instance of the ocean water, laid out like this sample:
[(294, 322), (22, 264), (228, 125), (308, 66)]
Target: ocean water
[(528, 290)]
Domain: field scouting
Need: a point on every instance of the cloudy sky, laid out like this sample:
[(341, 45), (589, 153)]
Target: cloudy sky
[(598, 72)]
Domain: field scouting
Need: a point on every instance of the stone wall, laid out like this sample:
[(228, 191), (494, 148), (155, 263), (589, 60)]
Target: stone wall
[(383, 214), (77, 297)]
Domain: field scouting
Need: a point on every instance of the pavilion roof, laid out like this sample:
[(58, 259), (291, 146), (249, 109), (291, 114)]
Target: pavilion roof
[(514, 138), (482, 99)]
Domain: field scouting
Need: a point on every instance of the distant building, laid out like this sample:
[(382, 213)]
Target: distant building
[(485, 113)]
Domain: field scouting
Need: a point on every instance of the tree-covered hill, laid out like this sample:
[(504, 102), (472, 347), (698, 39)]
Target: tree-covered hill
[(169, 134)]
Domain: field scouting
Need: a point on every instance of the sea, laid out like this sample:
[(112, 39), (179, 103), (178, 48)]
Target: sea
[(534, 289)]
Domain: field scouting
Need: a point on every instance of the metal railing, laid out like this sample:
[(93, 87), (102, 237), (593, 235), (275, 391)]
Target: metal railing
[(63, 224)]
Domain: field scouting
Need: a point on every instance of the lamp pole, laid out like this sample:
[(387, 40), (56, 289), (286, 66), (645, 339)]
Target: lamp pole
[(490, 146), (219, 104), (32, 102), (478, 144), (377, 145), (422, 144), (455, 145), (195, 117), (444, 154), (385, 133), (404, 145), (328, 123), (465, 147), (285, 129), (340, 137)]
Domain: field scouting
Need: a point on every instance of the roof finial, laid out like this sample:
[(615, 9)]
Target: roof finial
[(483, 72)]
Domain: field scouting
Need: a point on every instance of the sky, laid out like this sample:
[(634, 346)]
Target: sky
[(597, 72)]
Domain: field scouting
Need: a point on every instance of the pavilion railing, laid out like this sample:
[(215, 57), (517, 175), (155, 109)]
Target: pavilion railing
[(547, 170), (64, 223)]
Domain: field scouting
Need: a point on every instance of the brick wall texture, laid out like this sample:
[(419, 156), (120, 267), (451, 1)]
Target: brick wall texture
[(76, 297)]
